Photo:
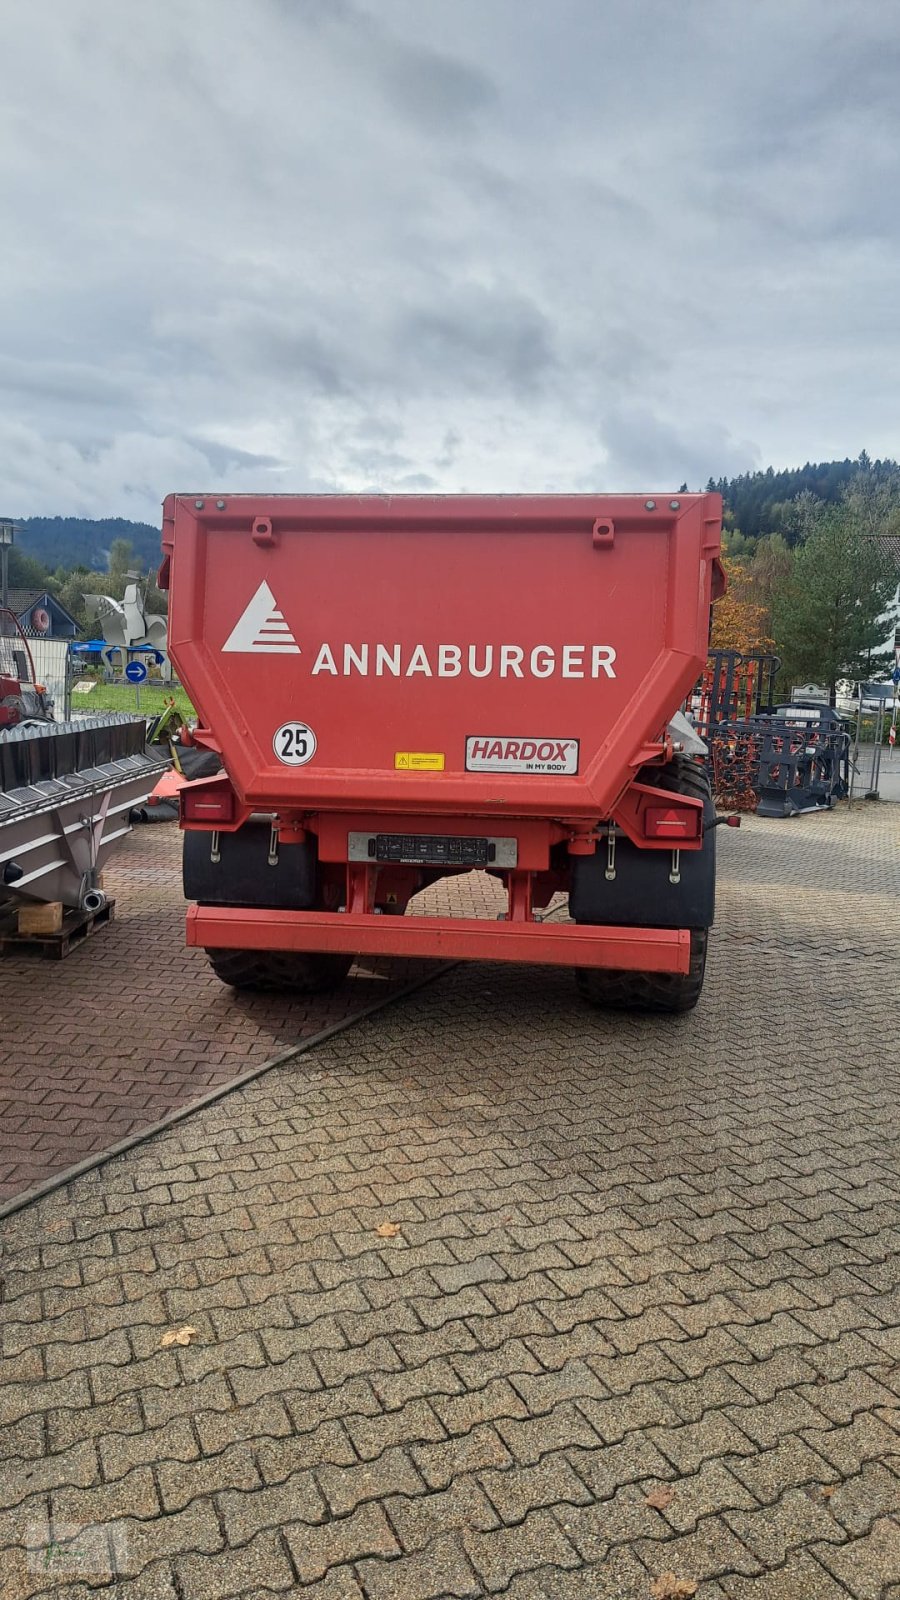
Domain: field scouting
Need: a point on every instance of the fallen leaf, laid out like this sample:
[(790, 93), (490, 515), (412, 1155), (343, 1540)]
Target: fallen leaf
[(828, 1490), (661, 1497), (177, 1336), (668, 1587), (388, 1230)]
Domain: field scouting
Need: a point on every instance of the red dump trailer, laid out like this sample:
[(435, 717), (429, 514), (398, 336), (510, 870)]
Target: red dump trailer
[(401, 688)]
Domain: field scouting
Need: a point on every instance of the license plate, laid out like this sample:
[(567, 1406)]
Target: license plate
[(432, 850)]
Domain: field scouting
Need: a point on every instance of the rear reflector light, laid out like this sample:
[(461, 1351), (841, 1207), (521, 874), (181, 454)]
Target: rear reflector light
[(671, 822), (207, 804)]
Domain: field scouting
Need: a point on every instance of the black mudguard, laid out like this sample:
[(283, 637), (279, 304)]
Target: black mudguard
[(641, 894), (243, 875)]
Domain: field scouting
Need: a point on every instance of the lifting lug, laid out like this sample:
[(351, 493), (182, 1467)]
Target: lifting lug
[(263, 532)]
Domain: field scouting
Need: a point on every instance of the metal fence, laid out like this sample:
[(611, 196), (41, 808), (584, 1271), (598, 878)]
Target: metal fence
[(53, 668)]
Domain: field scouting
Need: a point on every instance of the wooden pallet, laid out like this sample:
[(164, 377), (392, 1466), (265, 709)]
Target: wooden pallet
[(77, 926)]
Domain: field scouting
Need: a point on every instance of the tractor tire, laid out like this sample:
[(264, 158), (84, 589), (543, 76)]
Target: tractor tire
[(671, 992), (294, 971), (681, 776)]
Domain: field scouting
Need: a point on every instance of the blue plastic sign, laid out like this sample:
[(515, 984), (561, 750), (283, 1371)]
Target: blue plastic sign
[(895, 675), (136, 672)]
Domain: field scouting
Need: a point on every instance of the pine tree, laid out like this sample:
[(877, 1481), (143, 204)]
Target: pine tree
[(835, 611)]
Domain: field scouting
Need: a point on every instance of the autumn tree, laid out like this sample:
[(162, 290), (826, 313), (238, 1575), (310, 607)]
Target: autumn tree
[(740, 621)]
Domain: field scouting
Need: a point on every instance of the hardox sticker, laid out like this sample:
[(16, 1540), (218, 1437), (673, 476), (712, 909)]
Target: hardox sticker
[(487, 752)]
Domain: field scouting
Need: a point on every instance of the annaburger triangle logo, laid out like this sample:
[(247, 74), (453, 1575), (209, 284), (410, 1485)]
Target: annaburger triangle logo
[(261, 627)]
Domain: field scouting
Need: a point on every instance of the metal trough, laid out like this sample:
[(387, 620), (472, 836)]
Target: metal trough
[(66, 792)]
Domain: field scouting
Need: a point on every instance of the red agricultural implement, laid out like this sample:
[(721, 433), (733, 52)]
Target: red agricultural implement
[(22, 698), (401, 688)]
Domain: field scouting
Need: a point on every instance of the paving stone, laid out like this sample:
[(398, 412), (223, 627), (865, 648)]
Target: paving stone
[(341, 1583), (711, 1551), (785, 1369), (262, 1562), (476, 1369), (119, 1452), (440, 1463), (353, 1398), (181, 1481), (606, 1467), (325, 1445), (866, 1438), (801, 1575), (549, 1482), (419, 1520), (415, 1422), (570, 1382), (714, 1348), (205, 1397), (415, 1349), (712, 1488), (868, 1564), (483, 1269), (871, 1493), (623, 1518), (134, 1495), (843, 1398), (74, 1468), (365, 1532), (768, 1422), (218, 1429), (344, 1488), (196, 1528), (435, 1573), (19, 1401), (564, 1427), (460, 1413), (799, 1519), (716, 1389), (536, 1541), (791, 1463), (688, 1446), (246, 1513)]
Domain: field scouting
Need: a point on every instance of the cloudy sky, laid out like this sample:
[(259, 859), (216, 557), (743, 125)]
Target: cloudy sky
[(441, 244)]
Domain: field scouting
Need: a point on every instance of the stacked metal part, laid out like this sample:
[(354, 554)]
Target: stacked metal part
[(66, 793)]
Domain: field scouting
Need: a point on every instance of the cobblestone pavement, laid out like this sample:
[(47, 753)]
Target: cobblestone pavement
[(497, 1296), (132, 1025)]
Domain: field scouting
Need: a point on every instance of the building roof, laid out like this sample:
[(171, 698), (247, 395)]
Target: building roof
[(22, 600), (890, 544)]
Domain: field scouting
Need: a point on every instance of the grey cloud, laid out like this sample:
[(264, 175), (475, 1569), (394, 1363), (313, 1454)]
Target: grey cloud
[(435, 91), (641, 444), (226, 458), (479, 243), (75, 383), (479, 338)]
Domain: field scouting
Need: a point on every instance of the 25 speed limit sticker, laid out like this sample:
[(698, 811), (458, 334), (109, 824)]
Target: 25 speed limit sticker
[(294, 743)]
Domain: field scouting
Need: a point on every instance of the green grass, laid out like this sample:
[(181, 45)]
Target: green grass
[(122, 697)]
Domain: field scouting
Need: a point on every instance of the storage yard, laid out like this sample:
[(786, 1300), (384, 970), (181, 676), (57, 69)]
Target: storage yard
[(493, 1293)]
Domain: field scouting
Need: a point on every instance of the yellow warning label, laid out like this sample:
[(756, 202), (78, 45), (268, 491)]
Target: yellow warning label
[(418, 761)]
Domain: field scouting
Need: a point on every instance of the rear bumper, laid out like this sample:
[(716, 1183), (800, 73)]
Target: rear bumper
[(445, 939)]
